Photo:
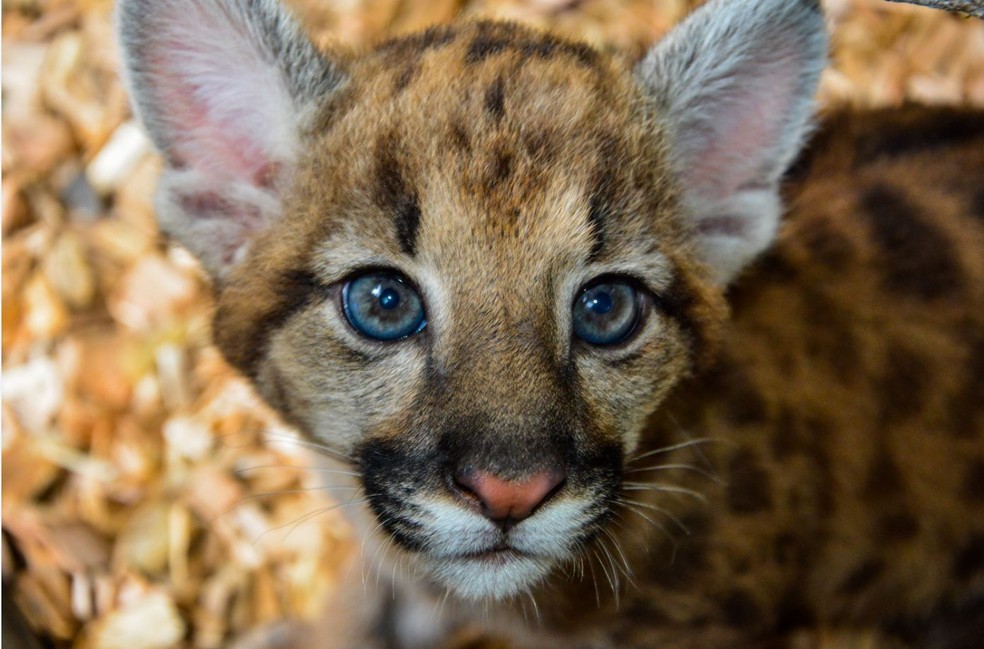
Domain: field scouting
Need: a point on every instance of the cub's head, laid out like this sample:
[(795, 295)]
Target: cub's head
[(473, 260)]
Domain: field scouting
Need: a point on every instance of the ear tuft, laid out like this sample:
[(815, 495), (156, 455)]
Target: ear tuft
[(733, 88), (224, 88)]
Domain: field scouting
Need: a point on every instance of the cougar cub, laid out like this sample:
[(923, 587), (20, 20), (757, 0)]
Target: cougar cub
[(597, 392)]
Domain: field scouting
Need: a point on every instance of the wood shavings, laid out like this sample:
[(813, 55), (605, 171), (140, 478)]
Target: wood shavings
[(116, 160), (150, 499), (146, 620)]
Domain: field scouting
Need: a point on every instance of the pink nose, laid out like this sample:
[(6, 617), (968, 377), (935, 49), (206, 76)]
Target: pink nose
[(507, 501)]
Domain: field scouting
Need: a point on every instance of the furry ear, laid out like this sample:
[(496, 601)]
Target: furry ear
[(733, 88), (224, 88)]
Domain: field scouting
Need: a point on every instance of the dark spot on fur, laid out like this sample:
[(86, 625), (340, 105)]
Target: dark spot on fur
[(598, 213), (486, 44), (541, 146), (410, 49), (501, 167), (415, 45), (296, 288), (824, 462), (918, 133), (786, 436), (544, 48), (406, 75), (884, 478), (795, 434), (787, 550), (689, 559), (643, 614), (458, 137), (830, 339), (977, 205), (794, 613), (969, 561), (746, 406), (394, 195), (973, 482), (407, 223), (688, 552), (494, 38), (904, 385), (749, 485), (898, 526), (827, 246), (495, 99), (582, 53), (862, 576), (740, 609), (920, 260), (966, 406), (605, 190), (774, 264), (955, 625)]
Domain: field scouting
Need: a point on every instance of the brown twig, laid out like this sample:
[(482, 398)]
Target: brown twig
[(969, 7)]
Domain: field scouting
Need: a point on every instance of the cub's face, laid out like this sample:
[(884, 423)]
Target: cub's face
[(466, 261), (517, 211)]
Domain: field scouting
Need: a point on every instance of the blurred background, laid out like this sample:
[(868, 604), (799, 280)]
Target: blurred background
[(149, 499)]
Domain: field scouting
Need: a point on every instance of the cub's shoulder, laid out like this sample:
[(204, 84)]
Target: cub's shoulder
[(894, 196)]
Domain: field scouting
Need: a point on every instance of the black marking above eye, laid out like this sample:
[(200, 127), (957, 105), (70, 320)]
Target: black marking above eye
[(607, 312), (394, 193)]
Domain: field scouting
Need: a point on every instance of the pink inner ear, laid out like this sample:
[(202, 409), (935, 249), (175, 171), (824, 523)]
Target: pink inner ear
[(744, 134), (202, 141), (219, 100)]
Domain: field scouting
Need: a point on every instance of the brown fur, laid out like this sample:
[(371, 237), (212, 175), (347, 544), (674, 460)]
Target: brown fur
[(840, 420), (849, 450), (830, 455)]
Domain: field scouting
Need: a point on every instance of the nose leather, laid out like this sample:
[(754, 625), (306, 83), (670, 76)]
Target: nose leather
[(508, 500)]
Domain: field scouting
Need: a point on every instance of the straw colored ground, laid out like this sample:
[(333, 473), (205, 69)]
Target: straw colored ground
[(149, 500)]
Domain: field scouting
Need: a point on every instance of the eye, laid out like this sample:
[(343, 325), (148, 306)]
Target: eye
[(382, 306), (607, 312)]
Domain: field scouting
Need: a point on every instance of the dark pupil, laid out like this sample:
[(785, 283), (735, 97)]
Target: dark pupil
[(606, 313), (388, 298), (600, 303)]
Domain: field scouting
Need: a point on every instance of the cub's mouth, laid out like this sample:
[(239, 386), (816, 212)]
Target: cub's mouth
[(488, 532)]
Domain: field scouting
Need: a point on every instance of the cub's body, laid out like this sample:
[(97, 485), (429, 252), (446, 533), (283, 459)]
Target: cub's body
[(599, 394), (827, 468), (844, 416)]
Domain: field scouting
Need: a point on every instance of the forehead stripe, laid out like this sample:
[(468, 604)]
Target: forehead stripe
[(395, 196), (296, 290), (495, 38), (598, 213), (495, 99)]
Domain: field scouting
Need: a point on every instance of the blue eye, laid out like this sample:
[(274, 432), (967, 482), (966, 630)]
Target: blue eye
[(606, 313), (382, 306)]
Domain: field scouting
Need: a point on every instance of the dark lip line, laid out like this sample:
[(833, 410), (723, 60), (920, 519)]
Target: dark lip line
[(493, 551)]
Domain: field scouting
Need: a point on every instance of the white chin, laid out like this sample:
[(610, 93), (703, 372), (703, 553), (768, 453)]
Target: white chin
[(492, 576)]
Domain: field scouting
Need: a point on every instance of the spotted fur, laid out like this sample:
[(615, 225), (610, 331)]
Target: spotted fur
[(791, 438)]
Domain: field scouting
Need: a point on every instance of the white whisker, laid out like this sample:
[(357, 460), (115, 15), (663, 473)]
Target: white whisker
[(659, 510), (657, 486), (673, 447), (318, 469), (680, 467), (306, 517)]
